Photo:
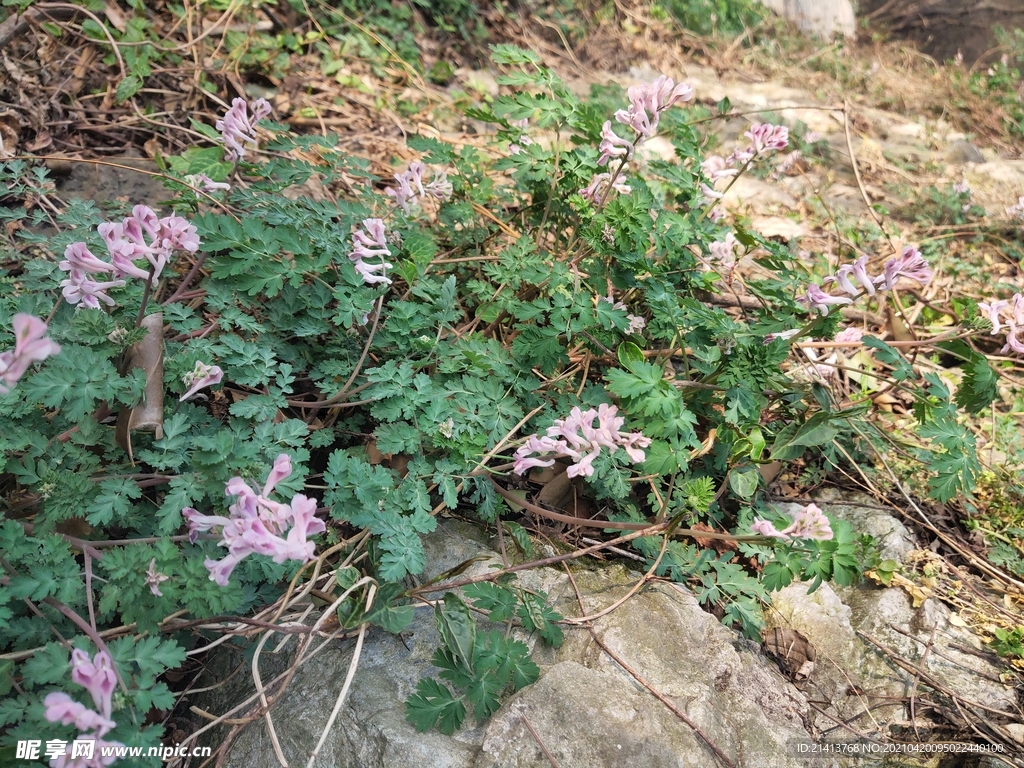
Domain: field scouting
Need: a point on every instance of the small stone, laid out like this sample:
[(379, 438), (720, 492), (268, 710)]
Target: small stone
[(963, 152)]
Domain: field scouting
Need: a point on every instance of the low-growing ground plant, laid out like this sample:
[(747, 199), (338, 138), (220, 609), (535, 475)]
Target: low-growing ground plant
[(266, 397)]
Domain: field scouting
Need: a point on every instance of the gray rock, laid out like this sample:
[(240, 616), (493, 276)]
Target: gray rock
[(963, 152), (823, 18), (894, 539), (589, 711), (586, 709)]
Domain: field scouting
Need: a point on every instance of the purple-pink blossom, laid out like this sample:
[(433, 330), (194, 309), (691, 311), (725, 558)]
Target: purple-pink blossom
[(648, 100), (909, 264), (371, 242), (238, 127), (256, 524), (765, 137), (411, 186), (577, 438), (154, 578), (612, 145), (1010, 312), (98, 677), (126, 242), (30, 345), (817, 300), (205, 183), (723, 252), (200, 377), (809, 523), (598, 187), (523, 140), (1016, 211)]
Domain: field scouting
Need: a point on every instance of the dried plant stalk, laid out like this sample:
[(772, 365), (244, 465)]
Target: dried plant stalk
[(148, 415)]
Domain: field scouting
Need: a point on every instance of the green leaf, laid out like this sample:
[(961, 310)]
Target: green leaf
[(978, 387), (630, 355), (386, 613), (458, 629), (127, 88), (537, 616), (434, 703), (744, 480), (487, 596)]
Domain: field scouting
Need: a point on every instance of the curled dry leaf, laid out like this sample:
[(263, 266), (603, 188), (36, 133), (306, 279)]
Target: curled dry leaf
[(792, 650), (148, 415)]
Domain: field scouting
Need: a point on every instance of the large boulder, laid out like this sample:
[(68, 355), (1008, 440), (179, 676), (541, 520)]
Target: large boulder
[(823, 18)]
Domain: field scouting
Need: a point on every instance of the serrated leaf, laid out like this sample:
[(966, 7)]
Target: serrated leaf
[(500, 601), (434, 704), (127, 88)]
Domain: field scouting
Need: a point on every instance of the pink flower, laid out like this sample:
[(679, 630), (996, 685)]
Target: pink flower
[(849, 335), (410, 186), (154, 579), (770, 337), (371, 243), (97, 676), (717, 168), (79, 289), (78, 258), (1016, 211), (599, 187), (237, 128), (723, 253), (809, 523), (648, 101), (205, 183), (581, 441), (61, 708), (257, 523), (765, 137), (612, 145), (992, 310), (200, 377), (1014, 319), (126, 242), (910, 265), (90, 754), (30, 345), (817, 300)]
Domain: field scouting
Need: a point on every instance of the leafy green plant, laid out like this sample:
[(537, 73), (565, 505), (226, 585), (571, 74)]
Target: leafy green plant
[(496, 322)]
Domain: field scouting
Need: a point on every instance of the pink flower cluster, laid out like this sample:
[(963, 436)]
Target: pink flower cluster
[(523, 140), (238, 128), (809, 523), (125, 243), (646, 103), (909, 264), (996, 312), (411, 186), (1016, 211), (257, 524), (371, 243), (200, 377), (576, 437), (764, 137), (97, 676), (723, 253), (30, 345), (598, 187)]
